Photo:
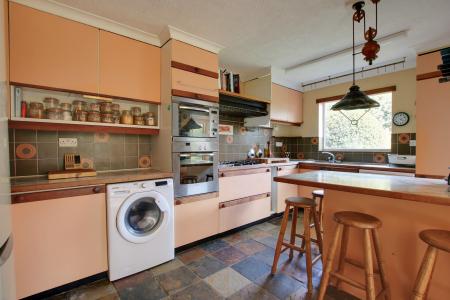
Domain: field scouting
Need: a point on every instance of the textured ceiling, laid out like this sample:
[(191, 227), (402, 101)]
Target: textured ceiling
[(283, 33)]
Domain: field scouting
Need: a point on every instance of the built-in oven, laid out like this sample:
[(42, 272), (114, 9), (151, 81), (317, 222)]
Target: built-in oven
[(194, 118), (195, 166)]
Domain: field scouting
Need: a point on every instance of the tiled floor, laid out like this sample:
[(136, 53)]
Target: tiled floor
[(233, 267)]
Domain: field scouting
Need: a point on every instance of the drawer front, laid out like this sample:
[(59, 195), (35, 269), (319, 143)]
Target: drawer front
[(240, 214), (236, 187), (193, 56), (194, 83), (189, 227)]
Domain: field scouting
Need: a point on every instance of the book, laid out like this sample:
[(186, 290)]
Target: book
[(236, 83)]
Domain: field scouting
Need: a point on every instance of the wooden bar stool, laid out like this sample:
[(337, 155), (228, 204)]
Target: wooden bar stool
[(318, 195), (369, 224), (436, 240), (309, 208)]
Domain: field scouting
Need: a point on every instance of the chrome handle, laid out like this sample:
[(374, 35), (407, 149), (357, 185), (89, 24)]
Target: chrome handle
[(184, 155), (194, 108)]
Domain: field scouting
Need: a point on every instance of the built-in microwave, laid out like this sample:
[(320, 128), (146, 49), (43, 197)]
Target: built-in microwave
[(194, 118)]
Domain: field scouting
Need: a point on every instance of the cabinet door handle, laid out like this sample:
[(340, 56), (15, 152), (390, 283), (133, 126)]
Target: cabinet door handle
[(97, 189), (267, 170)]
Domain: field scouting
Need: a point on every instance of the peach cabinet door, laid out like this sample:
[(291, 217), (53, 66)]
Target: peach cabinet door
[(428, 63), (234, 216), (193, 56), (196, 220), (305, 191), (194, 83), (50, 51), (129, 68), (433, 123), (235, 187), (286, 104), (58, 241), (285, 190)]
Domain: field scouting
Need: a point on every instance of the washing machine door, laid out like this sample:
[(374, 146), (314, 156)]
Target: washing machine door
[(142, 216)]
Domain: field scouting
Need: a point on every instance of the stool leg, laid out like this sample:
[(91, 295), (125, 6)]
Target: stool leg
[(425, 273), (329, 263), (321, 213), (317, 226), (280, 239), (380, 262), (307, 239), (368, 266), (293, 231), (304, 230), (342, 254)]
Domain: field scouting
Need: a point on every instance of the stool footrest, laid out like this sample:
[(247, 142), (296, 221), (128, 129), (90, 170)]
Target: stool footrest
[(302, 237), (350, 281), (357, 264), (297, 248)]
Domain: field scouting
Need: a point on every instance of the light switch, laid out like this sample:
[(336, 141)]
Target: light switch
[(412, 143), (278, 144)]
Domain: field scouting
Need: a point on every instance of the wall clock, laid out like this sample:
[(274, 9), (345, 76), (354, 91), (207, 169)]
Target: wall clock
[(400, 119)]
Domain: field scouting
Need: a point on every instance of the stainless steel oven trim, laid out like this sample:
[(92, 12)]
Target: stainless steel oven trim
[(176, 99)]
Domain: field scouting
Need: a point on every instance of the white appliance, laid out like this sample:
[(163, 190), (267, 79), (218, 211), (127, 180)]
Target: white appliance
[(140, 226), (405, 160)]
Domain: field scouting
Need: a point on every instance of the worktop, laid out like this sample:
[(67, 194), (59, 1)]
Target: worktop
[(41, 183), (305, 163), (407, 188)]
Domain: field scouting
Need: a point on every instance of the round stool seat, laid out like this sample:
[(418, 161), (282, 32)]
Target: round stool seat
[(436, 238), (356, 219), (318, 193), (300, 201)]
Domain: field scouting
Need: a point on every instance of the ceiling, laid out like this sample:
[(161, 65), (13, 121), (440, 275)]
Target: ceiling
[(257, 34)]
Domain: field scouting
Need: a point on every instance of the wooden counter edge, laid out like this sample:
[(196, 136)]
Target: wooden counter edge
[(365, 191)]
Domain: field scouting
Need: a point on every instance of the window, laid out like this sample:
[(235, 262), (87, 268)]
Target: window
[(373, 131)]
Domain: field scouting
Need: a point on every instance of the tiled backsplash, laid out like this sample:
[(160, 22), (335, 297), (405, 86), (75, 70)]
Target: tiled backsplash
[(308, 148), (236, 146), (35, 152)]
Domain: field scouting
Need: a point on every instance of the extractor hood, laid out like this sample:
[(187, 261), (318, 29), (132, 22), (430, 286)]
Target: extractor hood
[(236, 107), (445, 67)]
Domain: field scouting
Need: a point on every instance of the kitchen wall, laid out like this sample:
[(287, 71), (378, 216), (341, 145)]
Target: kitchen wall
[(308, 148), (35, 152), (236, 146), (403, 100)]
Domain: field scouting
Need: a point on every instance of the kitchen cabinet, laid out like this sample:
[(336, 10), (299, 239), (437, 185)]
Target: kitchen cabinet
[(196, 217), (306, 191), (240, 212), (52, 52), (243, 183), (194, 85), (194, 56), (284, 190), (58, 241), (432, 123), (427, 63), (128, 68), (286, 105)]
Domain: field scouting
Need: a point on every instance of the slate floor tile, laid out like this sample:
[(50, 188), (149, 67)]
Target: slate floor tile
[(140, 286), (250, 247), (166, 267), (266, 226), (252, 268), (214, 245), (176, 279), (296, 268), (96, 290), (279, 285), (227, 281), (206, 266), (198, 291), (267, 256), (192, 254), (235, 238), (252, 292), (254, 233), (229, 255), (270, 241)]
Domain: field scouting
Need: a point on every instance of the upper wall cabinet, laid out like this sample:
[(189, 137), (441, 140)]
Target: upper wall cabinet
[(428, 63), (50, 51), (286, 105), (129, 68), (195, 57)]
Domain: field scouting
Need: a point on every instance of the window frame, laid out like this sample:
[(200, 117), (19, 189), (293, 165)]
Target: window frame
[(321, 113)]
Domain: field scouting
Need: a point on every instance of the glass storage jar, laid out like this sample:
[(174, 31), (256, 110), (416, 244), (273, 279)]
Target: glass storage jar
[(94, 107), (65, 106), (79, 105), (149, 119), (138, 120), (93, 116), (36, 110), (115, 107), (67, 115), (106, 107), (126, 117), (80, 115), (136, 111), (107, 118), (55, 113), (51, 103)]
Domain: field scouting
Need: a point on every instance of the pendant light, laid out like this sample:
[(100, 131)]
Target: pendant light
[(356, 99)]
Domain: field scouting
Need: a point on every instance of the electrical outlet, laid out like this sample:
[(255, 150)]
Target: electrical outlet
[(412, 143), (68, 142), (278, 144)]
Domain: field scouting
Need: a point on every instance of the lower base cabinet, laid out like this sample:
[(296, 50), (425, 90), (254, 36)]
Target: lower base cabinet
[(58, 241), (239, 212), (285, 190), (195, 218)]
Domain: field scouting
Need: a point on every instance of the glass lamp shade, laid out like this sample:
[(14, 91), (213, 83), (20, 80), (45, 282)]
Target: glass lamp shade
[(355, 99)]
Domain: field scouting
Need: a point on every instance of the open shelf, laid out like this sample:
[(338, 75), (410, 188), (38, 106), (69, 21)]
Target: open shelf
[(60, 125)]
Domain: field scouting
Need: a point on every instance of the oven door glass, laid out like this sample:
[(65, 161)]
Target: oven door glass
[(196, 168), (193, 121)]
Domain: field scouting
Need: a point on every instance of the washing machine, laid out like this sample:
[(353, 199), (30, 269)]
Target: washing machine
[(140, 226)]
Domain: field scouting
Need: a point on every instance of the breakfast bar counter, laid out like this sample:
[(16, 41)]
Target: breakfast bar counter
[(405, 206)]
